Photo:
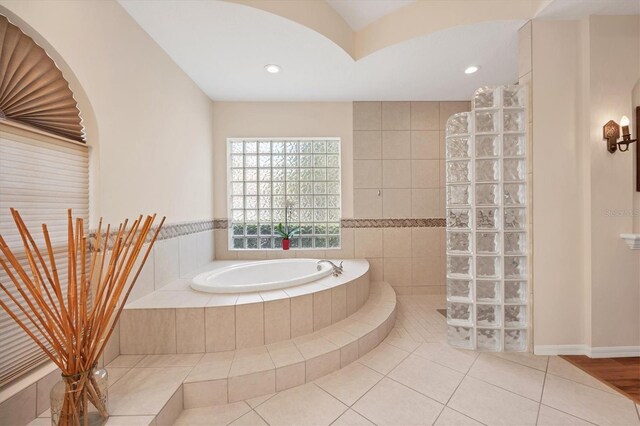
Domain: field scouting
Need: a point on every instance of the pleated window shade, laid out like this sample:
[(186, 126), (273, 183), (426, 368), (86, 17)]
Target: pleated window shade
[(33, 90), (40, 177)]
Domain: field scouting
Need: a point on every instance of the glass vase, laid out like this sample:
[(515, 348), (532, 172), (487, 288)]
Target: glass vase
[(78, 396)]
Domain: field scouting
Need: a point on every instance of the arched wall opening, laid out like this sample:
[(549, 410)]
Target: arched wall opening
[(84, 105)]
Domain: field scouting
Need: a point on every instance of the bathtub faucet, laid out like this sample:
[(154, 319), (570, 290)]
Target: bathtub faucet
[(337, 270)]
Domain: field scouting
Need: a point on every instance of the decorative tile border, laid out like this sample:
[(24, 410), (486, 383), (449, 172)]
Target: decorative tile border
[(437, 222), (394, 223), (220, 223), (173, 230)]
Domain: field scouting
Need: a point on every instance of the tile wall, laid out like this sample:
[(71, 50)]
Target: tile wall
[(399, 173)]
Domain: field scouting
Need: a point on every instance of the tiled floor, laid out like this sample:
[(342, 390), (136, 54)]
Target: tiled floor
[(414, 378)]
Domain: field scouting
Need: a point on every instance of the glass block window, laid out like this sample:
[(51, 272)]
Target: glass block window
[(293, 181)]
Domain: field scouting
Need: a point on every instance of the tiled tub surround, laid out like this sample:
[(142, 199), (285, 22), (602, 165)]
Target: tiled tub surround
[(406, 253), (154, 389), (188, 321)]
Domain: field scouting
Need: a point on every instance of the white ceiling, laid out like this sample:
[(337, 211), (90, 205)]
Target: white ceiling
[(360, 13), (224, 46), (576, 9)]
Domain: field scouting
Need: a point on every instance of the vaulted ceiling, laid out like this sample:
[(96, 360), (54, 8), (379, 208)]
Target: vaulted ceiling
[(343, 49)]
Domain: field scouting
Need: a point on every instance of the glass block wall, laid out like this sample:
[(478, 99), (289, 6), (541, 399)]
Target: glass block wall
[(486, 201), (293, 181)]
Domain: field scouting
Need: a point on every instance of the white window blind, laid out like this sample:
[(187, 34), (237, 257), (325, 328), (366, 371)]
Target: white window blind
[(41, 177)]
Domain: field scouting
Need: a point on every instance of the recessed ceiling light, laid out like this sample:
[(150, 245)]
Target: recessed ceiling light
[(471, 69), (272, 68)]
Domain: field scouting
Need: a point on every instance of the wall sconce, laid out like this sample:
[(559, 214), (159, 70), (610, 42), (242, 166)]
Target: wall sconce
[(611, 132)]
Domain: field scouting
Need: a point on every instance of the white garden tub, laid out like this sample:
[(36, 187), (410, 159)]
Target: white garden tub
[(261, 276)]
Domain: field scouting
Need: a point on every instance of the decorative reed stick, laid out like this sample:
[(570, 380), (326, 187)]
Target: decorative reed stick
[(70, 331)]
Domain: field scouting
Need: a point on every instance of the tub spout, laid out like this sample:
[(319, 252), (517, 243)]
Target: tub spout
[(336, 269)]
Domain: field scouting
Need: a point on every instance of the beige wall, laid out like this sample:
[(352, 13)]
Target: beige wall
[(149, 125), (587, 285), (559, 281), (615, 282), (281, 119)]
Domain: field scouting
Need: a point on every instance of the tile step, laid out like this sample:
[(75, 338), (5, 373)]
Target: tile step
[(224, 377)]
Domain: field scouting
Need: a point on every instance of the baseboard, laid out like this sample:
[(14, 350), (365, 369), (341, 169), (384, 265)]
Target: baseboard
[(597, 352), (560, 350), (615, 352)]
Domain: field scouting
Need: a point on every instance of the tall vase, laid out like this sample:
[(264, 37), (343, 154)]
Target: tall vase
[(80, 399)]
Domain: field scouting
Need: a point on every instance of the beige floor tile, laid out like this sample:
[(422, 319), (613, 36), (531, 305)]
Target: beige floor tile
[(508, 375), (116, 374), (284, 353), (350, 383), (254, 402), (491, 405), (338, 337), (428, 378), (125, 361), (351, 418), (304, 405), (214, 415), (174, 360), (588, 403), (144, 391), (404, 343), (311, 346), (251, 360), (390, 403), (442, 353), (551, 417), (249, 419), (450, 417), (384, 358), (525, 358), (212, 366), (561, 368), (130, 421)]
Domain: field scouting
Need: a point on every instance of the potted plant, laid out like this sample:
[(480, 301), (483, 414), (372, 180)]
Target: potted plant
[(286, 232)]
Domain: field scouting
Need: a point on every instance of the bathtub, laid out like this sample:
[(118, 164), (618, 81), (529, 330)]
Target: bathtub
[(261, 276)]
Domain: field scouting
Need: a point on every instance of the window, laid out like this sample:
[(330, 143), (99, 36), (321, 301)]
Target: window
[(293, 181), (41, 177)]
